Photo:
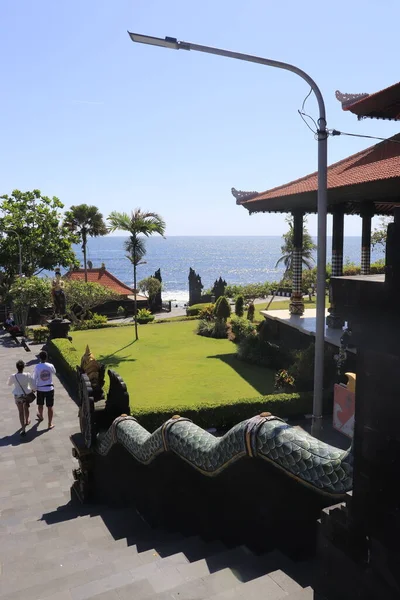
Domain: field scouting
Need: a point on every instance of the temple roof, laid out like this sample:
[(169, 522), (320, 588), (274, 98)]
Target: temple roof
[(371, 176), (104, 277), (381, 105)]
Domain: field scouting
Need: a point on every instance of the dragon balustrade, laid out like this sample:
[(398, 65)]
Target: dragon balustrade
[(261, 466)]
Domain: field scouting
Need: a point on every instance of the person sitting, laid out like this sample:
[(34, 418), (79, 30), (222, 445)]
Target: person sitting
[(9, 322)]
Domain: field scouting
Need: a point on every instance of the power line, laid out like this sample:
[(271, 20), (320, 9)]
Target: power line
[(302, 115), (334, 132)]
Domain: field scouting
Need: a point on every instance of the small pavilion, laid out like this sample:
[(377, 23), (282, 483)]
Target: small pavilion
[(366, 183)]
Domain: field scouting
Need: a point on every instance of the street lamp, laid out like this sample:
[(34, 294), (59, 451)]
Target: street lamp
[(322, 137), (19, 249)]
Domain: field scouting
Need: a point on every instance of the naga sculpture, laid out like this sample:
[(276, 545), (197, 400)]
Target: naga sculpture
[(319, 466)]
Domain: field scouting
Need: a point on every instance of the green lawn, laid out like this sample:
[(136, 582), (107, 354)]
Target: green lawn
[(171, 366)]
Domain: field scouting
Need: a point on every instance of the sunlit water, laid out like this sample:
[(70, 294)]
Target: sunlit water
[(238, 259)]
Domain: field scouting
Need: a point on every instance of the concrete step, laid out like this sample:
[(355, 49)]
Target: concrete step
[(197, 589), (84, 578)]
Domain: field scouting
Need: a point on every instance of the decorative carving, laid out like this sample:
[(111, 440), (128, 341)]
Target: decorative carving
[(86, 411), (195, 287), (349, 99), (218, 288), (319, 466), (242, 196), (95, 372), (117, 403), (157, 301)]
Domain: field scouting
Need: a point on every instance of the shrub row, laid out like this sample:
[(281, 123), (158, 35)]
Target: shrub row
[(65, 358), (224, 416)]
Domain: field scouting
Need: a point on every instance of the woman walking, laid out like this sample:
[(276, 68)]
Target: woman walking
[(23, 384)]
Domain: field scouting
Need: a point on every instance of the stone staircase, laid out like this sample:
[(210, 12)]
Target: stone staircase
[(78, 553)]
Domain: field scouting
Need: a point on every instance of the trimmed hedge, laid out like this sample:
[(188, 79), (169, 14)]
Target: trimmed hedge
[(65, 358), (225, 416)]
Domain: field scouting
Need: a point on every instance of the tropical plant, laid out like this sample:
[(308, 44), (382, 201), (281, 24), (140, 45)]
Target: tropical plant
[(150, 286), (26, 293), (138, 224), (85, 221), (378, 236), (216, 328), (207, 313), (121, 311), (288, 248), (239, 306), (284, 381), (241, 328), (82, 297), (144, 316), (36, 222)]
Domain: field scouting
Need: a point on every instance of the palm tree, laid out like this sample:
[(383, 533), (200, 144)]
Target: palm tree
[(137, 223), (86, 221), (288, 249)]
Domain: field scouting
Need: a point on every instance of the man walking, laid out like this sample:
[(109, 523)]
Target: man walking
[(43, 378)]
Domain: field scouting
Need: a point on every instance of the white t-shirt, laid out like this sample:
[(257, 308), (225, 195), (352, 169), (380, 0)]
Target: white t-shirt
[(26, 381), (43, 376)]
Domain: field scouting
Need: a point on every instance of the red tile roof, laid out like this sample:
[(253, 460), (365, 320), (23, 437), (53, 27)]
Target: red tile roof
[(370, 175), (384, 104), (105, 278)]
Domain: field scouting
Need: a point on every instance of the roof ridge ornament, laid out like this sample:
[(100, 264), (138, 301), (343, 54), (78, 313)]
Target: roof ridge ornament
[(242, 196), (349, 99)]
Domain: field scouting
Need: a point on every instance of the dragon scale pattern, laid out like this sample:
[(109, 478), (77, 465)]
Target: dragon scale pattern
[(324, 468)]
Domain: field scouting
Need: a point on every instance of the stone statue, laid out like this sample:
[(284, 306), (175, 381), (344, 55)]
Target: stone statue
[(58, 293)]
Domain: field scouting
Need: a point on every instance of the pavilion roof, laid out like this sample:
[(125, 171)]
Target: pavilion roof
[(384, 104), (371, 177), (105, 278)]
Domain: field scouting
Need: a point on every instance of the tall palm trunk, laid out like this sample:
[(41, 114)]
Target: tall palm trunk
[(135, 301), (84, 242)]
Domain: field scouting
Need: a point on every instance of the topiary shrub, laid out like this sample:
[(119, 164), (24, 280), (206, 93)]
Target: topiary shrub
[(222, 309), (250, 312), (239, 306), (241, 328), (144, 316)]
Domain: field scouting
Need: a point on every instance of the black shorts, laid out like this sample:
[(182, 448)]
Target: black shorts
[(45, 396)]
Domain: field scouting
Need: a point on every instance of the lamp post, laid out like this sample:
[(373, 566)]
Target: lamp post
[(322, 136), (19, 249)]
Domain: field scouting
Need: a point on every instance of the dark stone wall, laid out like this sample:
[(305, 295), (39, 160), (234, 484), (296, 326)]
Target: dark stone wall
[(250, 502)]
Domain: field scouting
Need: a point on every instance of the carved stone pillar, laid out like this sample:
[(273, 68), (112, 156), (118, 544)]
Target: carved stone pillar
[(296, 306), (366, 215), (334, 320)]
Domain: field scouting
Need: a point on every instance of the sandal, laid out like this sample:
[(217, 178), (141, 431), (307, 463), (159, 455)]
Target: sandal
[(39, 418)]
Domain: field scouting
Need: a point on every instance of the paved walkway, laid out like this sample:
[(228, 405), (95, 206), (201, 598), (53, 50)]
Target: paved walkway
[(35, 470)]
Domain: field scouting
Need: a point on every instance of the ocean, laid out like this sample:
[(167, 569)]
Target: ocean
[(237, 259)]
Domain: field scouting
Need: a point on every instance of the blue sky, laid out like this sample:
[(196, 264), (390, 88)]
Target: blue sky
[(88, 116)]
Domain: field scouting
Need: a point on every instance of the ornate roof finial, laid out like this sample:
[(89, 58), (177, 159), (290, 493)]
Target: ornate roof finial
[(349, 99), (242, 196)]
